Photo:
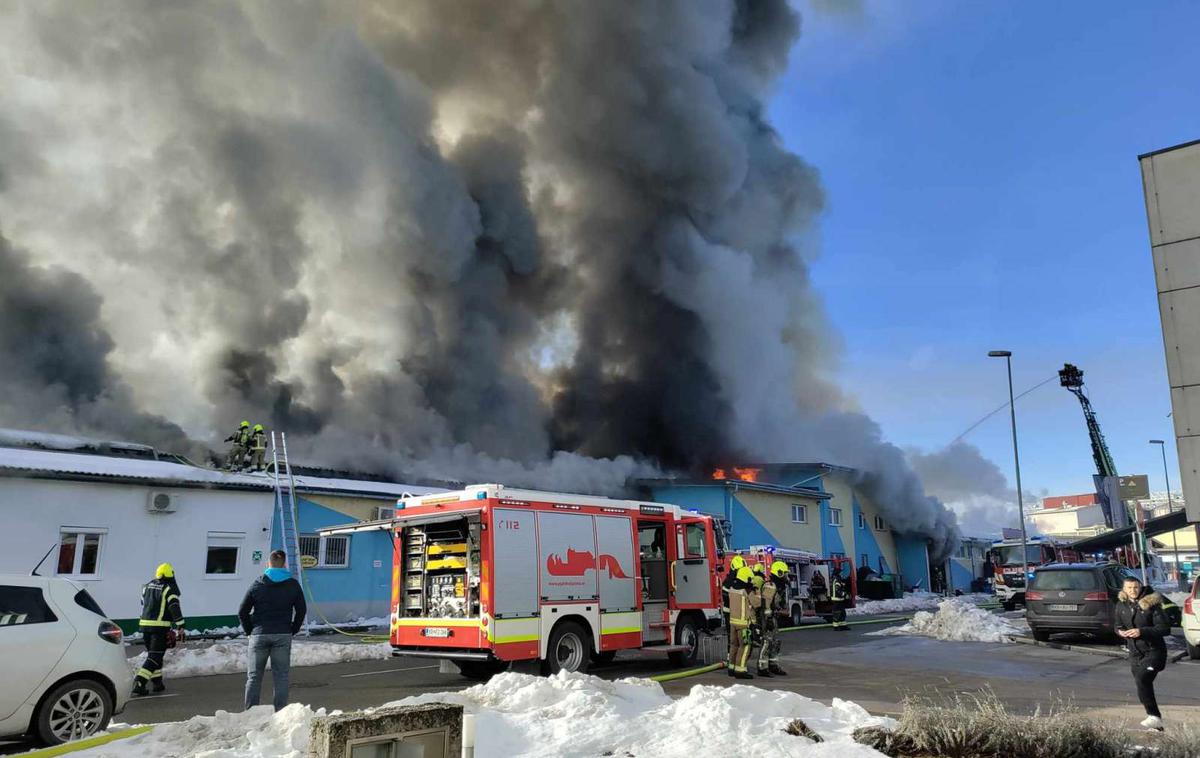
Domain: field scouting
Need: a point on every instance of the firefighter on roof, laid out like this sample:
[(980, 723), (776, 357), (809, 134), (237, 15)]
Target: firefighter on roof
[(774, 595), (838, 594), (735, 563), (161, 625), (258, 448), (743, 601), (241, 444)]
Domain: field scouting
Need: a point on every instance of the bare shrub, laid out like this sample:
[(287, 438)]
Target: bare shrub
[(798, 728)]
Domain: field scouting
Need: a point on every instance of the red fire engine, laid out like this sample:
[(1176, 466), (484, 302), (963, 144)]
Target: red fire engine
[(488, 576), (808, 580)]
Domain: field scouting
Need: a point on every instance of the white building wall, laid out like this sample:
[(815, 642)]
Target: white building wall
[(34, 513)]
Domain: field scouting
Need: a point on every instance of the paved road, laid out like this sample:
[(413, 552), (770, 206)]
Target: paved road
[(876, 672)]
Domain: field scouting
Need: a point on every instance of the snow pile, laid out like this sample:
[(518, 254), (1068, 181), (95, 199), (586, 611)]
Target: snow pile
[(230, 657), (912, 601), (958, 620), (568, 715)]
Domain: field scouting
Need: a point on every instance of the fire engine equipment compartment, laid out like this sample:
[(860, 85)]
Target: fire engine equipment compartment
[(441, 569)]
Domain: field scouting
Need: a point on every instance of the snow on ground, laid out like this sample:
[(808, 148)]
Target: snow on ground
[(568, 715), (959, 620), (230, 657), (912, 601), (1178, 598), (231, 632)]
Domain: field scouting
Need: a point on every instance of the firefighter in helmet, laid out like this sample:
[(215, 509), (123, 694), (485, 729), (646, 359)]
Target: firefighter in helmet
[(258, 448), (759, 626), (743, 602), (774, 598), (839, 593), (161, 625), (241, 444), (735, 563)]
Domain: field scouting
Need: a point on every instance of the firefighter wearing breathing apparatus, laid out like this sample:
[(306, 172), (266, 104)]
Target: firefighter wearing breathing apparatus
[(838, 594), (774, 594), (161, 625), (743, 605), (736, 563)]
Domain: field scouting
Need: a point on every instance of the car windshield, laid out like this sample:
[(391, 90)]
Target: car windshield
[(1065, 580), (1011, 554)]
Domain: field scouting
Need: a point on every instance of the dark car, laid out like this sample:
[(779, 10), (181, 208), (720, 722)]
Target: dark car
[(1077, 597)]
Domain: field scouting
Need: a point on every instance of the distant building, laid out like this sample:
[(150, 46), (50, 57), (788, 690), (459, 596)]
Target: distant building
[(106, 514), (1069, 521), (808, 506), (1070, 501)]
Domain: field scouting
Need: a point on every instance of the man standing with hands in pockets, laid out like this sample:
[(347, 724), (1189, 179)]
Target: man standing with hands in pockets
[(271, 613)]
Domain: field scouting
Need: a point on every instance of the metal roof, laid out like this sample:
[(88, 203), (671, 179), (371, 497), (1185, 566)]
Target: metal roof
[(738, 484)]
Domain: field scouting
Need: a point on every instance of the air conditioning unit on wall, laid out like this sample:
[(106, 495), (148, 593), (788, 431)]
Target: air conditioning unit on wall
[(384, 512), (160, 502)]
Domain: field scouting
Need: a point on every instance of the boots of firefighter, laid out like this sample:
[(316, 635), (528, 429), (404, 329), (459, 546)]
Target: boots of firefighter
[(157, 685), (139, 688), (774, 669), (764, 672)]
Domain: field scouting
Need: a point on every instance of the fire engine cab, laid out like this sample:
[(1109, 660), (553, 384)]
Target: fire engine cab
[(489, 575)]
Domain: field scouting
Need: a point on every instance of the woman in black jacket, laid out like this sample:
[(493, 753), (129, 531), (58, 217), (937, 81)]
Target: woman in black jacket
[(1143, 623)]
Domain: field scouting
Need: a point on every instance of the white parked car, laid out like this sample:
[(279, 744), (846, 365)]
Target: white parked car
[(1191, 621), (64, 666)]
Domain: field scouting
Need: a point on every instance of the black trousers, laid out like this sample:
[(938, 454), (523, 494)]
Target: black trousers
[(839, 613), (1145, 669), (155, 640)]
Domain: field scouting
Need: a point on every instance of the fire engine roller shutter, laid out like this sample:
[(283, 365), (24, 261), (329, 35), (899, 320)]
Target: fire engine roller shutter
[(514, 541), (614, 556), (567, 556)]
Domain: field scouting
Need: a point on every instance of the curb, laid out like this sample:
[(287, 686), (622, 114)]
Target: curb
[(1076, 648)]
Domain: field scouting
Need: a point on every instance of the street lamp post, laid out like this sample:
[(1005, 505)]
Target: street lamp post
[(1012, 408), (1162, 448)]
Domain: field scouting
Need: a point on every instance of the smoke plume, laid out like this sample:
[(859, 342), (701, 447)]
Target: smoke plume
[(554, 243), (973, 486)]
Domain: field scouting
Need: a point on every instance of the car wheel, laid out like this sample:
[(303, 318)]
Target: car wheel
[(1041, 635), (481, 671), (604, 658), (74, 710), (570, 649), (686, 633), (1193, 651), (797, 615)]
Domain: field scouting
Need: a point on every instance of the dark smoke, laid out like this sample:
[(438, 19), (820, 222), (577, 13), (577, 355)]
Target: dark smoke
[(553, 243)]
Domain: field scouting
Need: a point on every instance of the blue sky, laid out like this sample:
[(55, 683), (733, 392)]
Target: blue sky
[(980, 161)]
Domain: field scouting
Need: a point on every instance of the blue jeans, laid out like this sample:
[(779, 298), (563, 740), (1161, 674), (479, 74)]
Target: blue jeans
[(277, 648)]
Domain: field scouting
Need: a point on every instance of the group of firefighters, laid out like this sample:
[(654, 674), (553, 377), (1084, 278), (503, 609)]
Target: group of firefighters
[(249, 448), (752, 600)]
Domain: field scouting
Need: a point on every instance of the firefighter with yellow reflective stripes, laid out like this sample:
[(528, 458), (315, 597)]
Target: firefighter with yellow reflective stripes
[(774, 593), (161, 624), (743, 603), (839, 592), (735, 563)]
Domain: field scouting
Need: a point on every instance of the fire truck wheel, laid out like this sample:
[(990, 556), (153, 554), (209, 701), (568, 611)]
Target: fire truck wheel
[(797, 615), (604, 658), (569, 649), (1010, 605), (687, 632)]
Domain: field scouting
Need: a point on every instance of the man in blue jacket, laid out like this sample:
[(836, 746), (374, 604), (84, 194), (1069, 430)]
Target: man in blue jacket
[(271, 613)]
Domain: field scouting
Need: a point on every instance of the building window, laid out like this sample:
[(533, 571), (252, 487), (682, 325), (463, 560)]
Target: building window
[(79, 551), (835, 516), (799, 514), (23, 605), (865, 560), (862, 521), (224, 550), (325, 552), (879, 525)]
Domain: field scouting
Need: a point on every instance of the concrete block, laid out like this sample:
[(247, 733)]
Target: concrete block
[(332, 736)]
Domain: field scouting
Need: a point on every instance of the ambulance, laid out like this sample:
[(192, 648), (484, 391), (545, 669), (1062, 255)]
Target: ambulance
[(490, 576)]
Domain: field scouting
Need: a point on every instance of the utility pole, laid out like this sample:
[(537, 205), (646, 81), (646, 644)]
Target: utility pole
[(1162, 448), (1012, 408)]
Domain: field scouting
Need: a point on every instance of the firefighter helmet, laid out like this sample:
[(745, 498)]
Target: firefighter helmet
[(738, 562), (244, 425), (164, 571), (759, 580), (745, 575), (779, 569), (258, 427), (758, 569)]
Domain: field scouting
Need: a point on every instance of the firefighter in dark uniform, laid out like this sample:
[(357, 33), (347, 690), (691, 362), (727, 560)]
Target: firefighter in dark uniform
[(258, 449), (838, 594), (241, 445), (735, 564), (161, 626)]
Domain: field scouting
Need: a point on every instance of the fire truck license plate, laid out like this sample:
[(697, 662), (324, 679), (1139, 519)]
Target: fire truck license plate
[(1063, 607), (437, 633)]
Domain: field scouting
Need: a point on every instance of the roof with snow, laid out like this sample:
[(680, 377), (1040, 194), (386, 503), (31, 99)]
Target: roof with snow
[(47, 456)]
